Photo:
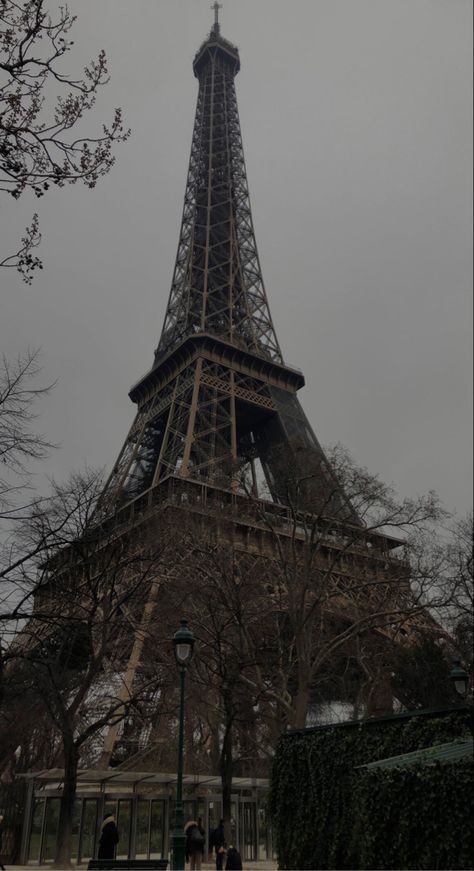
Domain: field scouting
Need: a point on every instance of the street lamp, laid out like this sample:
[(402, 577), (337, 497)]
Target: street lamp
[(459, 678), (183, 643)]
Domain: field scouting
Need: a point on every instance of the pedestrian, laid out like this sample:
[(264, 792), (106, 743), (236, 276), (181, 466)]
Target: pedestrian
[(109, 838), (195, 843), (234, 860), (219, 844), (1, 841)]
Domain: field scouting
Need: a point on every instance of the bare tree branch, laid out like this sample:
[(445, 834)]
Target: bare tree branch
[(37, 150)]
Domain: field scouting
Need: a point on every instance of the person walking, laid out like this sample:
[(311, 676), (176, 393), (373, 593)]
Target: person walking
[(234, 860), (109, 838), (219, 844), (195, 842), (1, 842)]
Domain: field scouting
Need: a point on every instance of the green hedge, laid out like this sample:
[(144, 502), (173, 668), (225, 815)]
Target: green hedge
[(416, 817), (326, 814)]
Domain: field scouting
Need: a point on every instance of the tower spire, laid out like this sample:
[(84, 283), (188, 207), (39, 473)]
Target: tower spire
[(216, 6)]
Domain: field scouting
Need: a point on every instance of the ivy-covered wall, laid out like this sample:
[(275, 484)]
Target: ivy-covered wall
[(327, 814), (416, 817)]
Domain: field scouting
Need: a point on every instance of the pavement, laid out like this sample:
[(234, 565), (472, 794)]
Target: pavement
[(269, 865), (264, 865)]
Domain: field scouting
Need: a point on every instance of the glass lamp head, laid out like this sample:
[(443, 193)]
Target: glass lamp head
[(459, 678), (183, 643)]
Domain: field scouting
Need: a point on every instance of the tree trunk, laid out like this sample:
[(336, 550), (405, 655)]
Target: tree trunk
[(226, 771), (214, 749), (301, 706), (1, 674), (64, 842)]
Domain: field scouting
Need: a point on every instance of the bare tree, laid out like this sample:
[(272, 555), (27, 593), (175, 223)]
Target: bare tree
[(420, 674), (459, 577), (89, 582), (451, 555), (342, 582), (19, 443), (39, 145), (314, 610), (219, 590)]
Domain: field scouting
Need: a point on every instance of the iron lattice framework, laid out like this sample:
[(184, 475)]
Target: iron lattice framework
[(219, 398)]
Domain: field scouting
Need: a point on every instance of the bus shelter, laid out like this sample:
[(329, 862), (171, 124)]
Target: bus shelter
[(143, 804)]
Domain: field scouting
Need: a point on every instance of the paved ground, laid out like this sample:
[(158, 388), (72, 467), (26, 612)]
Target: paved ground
[(271, 865), (206, 866)]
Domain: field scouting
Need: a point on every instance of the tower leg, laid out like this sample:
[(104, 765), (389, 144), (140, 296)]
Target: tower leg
[(133, 663)]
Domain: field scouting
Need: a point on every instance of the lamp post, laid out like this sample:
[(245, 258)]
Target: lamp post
[(183, 643), (460, 678)]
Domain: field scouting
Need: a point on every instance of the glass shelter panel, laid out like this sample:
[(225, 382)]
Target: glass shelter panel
[(247, 830), (201, 811), (262, 834), (189, 810), (110, 808), (233, 822), (124, 817), (50, 829), (88, 829), (157, 830), (143, 829), (215, 812), (36, 829), (76, 825)]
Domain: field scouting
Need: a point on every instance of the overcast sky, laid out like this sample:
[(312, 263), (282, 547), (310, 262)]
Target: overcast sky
[(356, 118)]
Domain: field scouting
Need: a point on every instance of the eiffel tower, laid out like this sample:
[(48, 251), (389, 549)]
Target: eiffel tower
[(218, 420), (218, 441)]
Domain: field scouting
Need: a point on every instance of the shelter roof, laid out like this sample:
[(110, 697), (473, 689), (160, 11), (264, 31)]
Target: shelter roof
[(452, 751), (93, 776)]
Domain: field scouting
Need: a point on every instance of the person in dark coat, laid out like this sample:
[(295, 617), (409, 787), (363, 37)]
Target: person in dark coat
[(218, 840), (1, 841), (234, 860), (109, 838), (195, 844)]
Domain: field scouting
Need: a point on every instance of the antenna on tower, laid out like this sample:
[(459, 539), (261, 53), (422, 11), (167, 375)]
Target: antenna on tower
[(216, 6)]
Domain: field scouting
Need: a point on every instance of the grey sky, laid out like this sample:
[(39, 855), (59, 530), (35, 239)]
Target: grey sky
[(356, 119)]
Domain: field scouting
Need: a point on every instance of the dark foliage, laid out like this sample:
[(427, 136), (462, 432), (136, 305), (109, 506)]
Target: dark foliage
[(321, 804), (420, 677), (416, 817)]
